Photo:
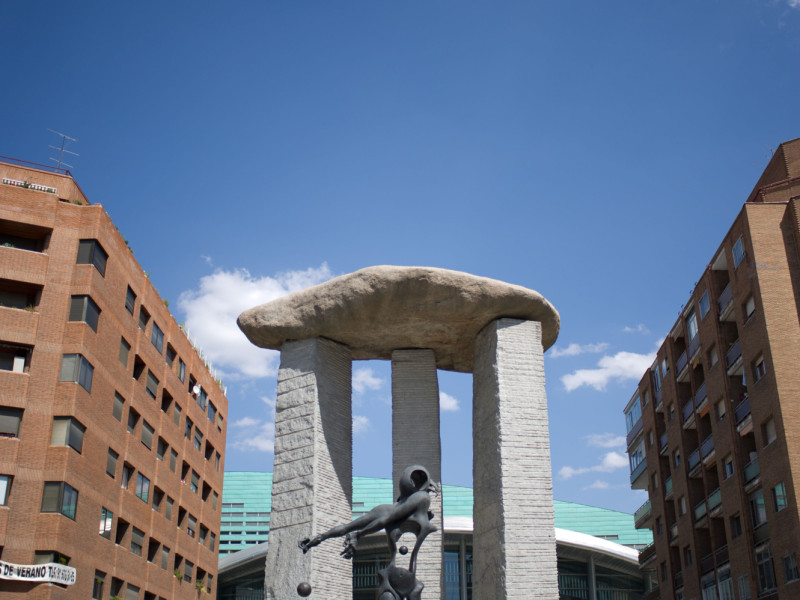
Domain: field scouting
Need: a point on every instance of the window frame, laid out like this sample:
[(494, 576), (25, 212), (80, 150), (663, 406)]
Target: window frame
[(157, 338), (82, 309), (10, 421), (72, 434), (142, 488), (91, 252), (82, 370), (106, 522), (63, 494), (130, 300)]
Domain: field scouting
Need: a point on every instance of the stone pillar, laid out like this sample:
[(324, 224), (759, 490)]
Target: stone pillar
[(312, 479), (514, 547), (415, 440)]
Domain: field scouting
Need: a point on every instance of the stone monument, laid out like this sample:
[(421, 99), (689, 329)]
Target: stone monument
[(422, 319)]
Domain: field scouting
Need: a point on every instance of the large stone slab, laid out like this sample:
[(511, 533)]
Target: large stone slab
[(380, 309)]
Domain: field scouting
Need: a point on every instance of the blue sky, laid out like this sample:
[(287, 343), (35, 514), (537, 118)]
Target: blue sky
[(596, 152)]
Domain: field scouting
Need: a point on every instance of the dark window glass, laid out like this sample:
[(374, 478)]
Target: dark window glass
[(10, 419), (173, 460), (74, 367), (90, 252), (137, 541), (83, 308), (143, 487), (144, 317), (152, 384), (130, 300), (124, 351), (157, 338), (60, 497), (171, 354), (106, 521), (67, 431), (161, 448), (111, 463), (147, 434), (98, 585), (119, 402)]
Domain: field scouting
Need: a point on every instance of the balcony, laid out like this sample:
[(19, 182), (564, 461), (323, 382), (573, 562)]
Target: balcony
[(700, 397), (721, 555), (700, 513), (635, 430), (673, 534), (725, 304), (677, 580), (744, 421), (752, 475), (687, 414), (658, 396), (707, 450), (760, 534), (668, 488), (663, 444), (714, 502), (646, 555), (693, 463), (682, 367), (733, 359), (653, 594), (17, 264), (707, 563), (643, 516), (639, 476), (694, 346)]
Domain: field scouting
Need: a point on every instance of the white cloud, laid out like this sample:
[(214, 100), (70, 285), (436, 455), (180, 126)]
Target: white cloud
[(605, 440), (360, 424), (794, 3), (640, 328), (622, 366), (448, 403), (257, 436), (364, 379), (598, 485), (246, 422), (611, 461), (576, 349), (212, 308)]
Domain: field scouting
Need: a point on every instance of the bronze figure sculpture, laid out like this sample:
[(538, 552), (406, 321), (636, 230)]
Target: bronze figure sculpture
[(410, 513)]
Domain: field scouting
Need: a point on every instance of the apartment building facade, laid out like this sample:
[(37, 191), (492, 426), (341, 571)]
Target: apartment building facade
[(112, 428), (713, 428)]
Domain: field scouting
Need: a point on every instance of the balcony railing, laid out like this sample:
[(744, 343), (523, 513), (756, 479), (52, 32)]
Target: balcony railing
[(760, 534), (693, 460), (657, 395), (637, 427), (653, 594), (707, 563), (647, 554), (721, 555), (707, 447), (662, 442), (700, 395), (700, 510), (677, 579), (668, 487), (694, 346), (742, 409), (725, 299), (644, 511), (640, 468), (714, 500), (681, 363), (673, 532), (733, 354), (687, 410), (751, 471)]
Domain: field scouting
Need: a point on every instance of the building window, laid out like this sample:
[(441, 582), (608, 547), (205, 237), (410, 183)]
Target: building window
[(768, 431), (119, 403), (759, 368), (137, 541), (124, 351), (721, 410), (14, 358), (164, 557), (749, 308), (157, 338), (111, 463), (659, 526), (60, 497), (106, 520), (75, 368), (687, 556), (147, 435), (161, 448), (691, 325), (5, 488), (67, 431), (142, 488), (187, 431), (713, 356), (736, 526), (168, 509), (738, 252), (682, 505), (727, 466), (90, 252), (152, 384), (744, 587), (176, 414), (188, 570), (211, 541), (144, 318), (130, 300), (633, 415), (127, 473), (171, 354), (790, 571), (212, 412), (83, 308), (216, 461), (671, 411), (676, 458), (202, 398), (97, 586), (766, 571), (173, 460), (214, 497), (133, 420), (758, 510), (636, 456), (198, 438), (132, 592), (704, 304), (10, 419), (181, 370), (195, 484), (779, 501)]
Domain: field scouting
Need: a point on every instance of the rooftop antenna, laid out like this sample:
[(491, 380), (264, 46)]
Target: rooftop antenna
[(62, 149)]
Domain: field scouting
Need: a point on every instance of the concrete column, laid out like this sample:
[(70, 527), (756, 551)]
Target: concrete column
[(514, 547), (312, 487), (415, 440)]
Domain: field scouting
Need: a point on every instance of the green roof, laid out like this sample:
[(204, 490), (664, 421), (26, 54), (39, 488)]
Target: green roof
[(247, 495)]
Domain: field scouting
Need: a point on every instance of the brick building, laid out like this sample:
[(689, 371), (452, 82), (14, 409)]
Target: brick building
[(112, 428), (714, 425)]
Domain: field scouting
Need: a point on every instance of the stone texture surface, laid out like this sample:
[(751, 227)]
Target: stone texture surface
[(379, 309), (312, 477), (514, 538), (416, 441)]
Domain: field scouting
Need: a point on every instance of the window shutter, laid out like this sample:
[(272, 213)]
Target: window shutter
[(76, 305), (9, 420), (85, 252), (50, 496), (69, 363), (76, 435), (60, 431)]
